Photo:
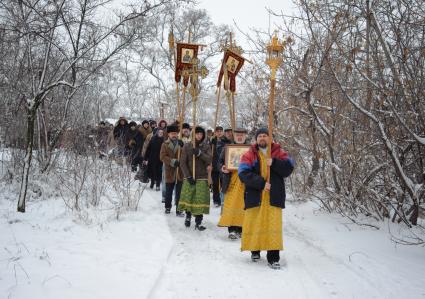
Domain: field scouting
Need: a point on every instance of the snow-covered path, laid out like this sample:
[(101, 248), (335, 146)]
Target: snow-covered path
[(147, 254), (321, 261)]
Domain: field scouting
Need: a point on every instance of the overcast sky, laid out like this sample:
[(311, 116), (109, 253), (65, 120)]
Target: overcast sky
[(246, 13)]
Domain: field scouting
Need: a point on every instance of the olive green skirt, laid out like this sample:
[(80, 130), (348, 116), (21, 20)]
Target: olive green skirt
[(195, 198)]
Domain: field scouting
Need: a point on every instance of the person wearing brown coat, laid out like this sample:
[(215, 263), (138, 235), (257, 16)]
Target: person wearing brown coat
[(145, 129), (195, 194), (173, 175)]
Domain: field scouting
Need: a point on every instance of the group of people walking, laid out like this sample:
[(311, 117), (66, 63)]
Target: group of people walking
[(252, 197)]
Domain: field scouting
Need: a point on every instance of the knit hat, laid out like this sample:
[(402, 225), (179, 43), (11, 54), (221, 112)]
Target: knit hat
[(186, 126), (228, 130), (219, 128), (173, 128), (261, 131)]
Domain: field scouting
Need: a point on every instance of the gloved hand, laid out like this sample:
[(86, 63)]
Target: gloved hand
[(180, 142), (175, 163), (197, 152), (191, 181)]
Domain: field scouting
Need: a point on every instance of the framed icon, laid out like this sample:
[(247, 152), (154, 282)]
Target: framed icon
[(187, 55), (233, 154), (232, 64)]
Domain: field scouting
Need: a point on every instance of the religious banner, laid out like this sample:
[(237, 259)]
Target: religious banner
[(233, 63), (185, 55)]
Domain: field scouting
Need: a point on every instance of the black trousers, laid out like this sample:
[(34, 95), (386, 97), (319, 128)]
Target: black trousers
[(236, 229), (169, 188), (272, 255), (198, 218), (157, 183), (215, 175)]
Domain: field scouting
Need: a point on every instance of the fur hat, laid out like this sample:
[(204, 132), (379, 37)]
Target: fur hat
[(200, 129), (241, 130), (261, 131), (173, 128)]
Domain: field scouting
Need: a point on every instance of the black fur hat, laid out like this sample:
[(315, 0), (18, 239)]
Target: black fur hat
[(172, 128)]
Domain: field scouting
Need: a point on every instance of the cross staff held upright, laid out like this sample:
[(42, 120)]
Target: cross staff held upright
[(274, 60)]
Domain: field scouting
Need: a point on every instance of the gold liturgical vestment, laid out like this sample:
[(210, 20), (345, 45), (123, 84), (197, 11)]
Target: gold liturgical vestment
[(233, 207), (262, 226)]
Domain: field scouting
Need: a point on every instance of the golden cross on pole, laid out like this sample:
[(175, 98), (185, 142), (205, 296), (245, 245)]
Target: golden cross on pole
[(274, 60)]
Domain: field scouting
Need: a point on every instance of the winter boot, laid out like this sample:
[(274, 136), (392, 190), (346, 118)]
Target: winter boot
[(233, 236), (187, 220), (200, 227), (167, 211), (179, 214), (255, 256), (274, 265)]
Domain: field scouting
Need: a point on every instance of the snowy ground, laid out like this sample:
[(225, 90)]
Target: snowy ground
[(146, 254)]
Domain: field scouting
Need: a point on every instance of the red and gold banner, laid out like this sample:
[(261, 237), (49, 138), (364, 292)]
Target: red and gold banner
[(185, 54), (234, 63)]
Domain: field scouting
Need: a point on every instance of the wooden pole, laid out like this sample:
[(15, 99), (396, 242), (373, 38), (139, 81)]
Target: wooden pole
[(181, 119), (233, 111), (217, 108), (194, 100), (271, 120)]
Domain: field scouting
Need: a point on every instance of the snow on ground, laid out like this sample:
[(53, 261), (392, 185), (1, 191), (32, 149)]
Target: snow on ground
[(146, 254)]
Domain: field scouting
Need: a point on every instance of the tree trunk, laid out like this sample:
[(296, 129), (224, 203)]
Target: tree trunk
[(27, 161)]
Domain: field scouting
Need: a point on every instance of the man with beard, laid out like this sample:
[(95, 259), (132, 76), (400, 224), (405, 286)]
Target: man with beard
[(152, 158), (186, 136), (195, 195), (262, 225), (135, 145), (173, 175), (233, 189)]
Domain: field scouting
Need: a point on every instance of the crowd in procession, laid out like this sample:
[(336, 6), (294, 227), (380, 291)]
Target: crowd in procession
[(251, 197)]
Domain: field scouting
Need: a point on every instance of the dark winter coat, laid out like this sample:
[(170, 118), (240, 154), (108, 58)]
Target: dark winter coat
[(220, 144), (135, 143), (121, 134), (102, 138), (225, 177), (152, 156), (215, 147), (201, 162), (250, 174), (168, 156)]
